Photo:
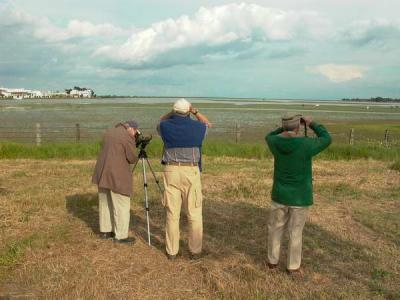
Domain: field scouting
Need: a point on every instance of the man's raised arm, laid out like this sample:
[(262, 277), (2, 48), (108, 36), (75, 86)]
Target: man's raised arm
[(199, 116)]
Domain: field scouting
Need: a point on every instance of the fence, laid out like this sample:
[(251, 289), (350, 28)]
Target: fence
[(42, 133)]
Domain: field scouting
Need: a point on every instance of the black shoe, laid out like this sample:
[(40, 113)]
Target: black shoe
[(196, 256), (107, 235), (127, 241), (297, 271), (171, 257)]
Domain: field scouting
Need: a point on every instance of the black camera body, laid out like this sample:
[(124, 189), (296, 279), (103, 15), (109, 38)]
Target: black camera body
[(141, 140), (303, 122)]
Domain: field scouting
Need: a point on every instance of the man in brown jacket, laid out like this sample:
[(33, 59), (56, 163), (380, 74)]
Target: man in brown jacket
[(114, 179)]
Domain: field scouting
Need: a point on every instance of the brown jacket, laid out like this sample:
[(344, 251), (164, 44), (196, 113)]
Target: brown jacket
[(112, 168)]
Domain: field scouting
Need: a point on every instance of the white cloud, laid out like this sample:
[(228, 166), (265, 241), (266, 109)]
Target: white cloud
[(339, 73), (375, 31), (47, 31), (42, 28), (216, 26)]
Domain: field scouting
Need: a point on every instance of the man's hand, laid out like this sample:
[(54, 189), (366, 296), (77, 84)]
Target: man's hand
[(307, 120), (199, 116), (193, 110)]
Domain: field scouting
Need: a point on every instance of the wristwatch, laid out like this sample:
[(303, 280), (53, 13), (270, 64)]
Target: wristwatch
[(195, 112)]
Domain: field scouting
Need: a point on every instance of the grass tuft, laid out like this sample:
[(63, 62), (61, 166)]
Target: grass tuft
[(15, 250)]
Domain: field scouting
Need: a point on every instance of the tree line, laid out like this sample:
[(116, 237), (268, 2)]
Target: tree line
[(374, 99)]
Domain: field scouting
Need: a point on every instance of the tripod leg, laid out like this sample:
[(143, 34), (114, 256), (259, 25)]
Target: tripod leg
[(154, 175), (134, 167), (146, 200)]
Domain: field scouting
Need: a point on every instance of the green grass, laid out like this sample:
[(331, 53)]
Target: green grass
[(15, 250), (211, 148), (49, 151), (348, 152)]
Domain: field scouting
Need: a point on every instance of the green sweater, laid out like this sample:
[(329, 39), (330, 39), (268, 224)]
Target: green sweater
[(292, 165)]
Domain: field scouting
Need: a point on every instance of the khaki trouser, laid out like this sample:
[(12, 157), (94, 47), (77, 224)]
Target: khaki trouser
[(293, 218), (114, 213), (183, 187)]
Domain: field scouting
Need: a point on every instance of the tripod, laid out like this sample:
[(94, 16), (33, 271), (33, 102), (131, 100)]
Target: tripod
[(144, 158)]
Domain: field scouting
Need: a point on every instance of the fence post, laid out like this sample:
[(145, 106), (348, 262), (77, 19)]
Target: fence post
[(38, 135), (77, 132), (351, 136), (237, 132), (387, 137)]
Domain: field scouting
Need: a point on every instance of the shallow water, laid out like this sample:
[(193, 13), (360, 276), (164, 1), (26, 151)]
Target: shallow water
[(59, 116)]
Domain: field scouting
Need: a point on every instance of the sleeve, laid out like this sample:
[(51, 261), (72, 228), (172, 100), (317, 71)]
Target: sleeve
[(321, 142), (274, 132), (158, 128), (268, 138), (130, 151), (207, 130)]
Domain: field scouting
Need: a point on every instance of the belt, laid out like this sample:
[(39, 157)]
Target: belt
[(174, 163)]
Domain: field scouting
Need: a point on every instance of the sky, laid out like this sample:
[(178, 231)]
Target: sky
[(286, 49)]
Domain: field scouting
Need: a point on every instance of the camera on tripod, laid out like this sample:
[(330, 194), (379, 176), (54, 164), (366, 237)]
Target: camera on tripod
[(141, 140)]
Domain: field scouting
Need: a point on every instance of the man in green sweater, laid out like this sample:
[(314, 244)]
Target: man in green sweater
[(292, 193)]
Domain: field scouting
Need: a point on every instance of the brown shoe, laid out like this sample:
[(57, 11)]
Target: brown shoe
[(294, 271), (107, 235), (172, 257), (272, 266), (196, 256)]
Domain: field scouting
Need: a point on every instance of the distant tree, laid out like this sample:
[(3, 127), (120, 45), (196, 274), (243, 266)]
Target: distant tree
[(373, 99)]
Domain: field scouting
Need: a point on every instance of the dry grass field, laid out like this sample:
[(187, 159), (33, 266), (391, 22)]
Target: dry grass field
[(49, 246)]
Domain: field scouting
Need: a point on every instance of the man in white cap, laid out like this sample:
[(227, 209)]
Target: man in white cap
[(183, 138), (292, 188), (114, 179)]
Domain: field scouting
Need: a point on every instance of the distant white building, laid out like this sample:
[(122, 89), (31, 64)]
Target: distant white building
[(57, 94), (46, 94), (20, 93), (81, 93), (4, 93), (36, 94)]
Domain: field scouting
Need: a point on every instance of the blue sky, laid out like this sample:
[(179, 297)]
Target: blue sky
[(287, 49)]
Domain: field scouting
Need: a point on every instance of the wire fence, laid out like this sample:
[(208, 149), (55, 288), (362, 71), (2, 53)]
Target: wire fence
[(42, 133)]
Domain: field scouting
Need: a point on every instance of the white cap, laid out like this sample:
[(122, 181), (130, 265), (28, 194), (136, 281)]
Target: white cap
[(181, 106)]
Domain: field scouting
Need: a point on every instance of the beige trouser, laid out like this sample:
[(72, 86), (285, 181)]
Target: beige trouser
[(183, 187), (293, 218), (114, 213)]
